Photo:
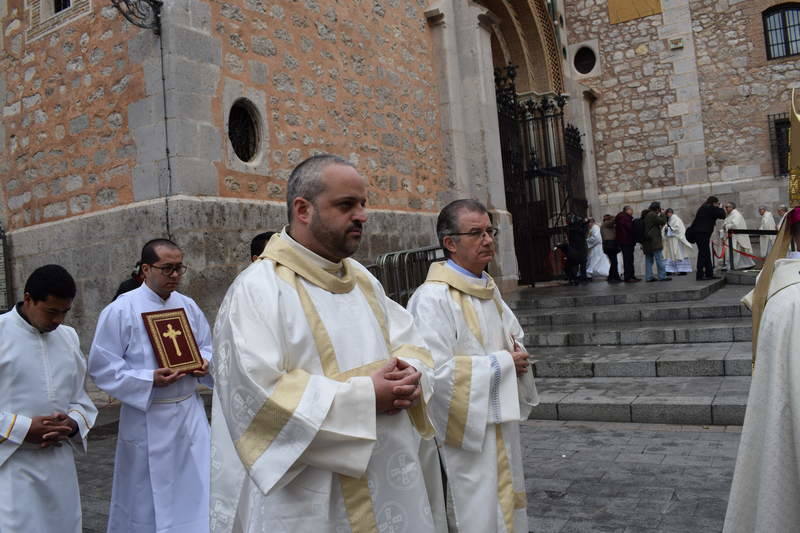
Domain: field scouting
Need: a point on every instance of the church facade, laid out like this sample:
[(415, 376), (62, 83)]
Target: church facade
[(112, 133)]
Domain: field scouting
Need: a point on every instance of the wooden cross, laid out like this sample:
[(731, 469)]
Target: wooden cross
[(173, 334)]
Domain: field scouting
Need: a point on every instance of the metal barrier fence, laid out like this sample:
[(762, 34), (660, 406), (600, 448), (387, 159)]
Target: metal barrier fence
[(731, 250), (402, 272)]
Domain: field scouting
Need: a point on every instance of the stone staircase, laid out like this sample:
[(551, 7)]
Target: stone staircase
[(675, 353)]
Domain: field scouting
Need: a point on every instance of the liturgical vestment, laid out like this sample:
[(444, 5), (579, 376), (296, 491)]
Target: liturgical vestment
[(741, 242), (297, 445), (766, 483), (161, 469), (478, 400), (40, 373)]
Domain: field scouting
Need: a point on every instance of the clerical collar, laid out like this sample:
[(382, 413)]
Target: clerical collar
[(318, 260), (153, 295), (461, 270), (24, 322)]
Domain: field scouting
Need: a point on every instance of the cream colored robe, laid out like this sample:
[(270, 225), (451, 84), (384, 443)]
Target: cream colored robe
[(297, 446), (677, 250), (765, 241), (765, 496), (735, 220), (479, 401)]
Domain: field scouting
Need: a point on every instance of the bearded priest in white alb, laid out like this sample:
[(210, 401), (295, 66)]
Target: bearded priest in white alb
[(161, 470), (483, 385), (741, 242), (767, 223), (45, 412), (766, 482), (320, 380)]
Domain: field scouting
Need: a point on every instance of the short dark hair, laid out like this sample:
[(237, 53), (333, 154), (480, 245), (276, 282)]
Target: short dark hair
[(259, 242), (50, 280), (654, 206), (712, 200), (149, 255), (447, 223), (305, 181)]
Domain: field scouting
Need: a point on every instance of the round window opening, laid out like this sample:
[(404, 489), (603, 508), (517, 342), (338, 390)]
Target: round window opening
[(243, 129), (584, 60)]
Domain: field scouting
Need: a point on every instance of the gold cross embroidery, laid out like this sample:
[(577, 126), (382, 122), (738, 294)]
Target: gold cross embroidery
[(173, 334)]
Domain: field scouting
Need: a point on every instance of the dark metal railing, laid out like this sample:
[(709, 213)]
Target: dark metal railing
[(732, 232), (402, 272)]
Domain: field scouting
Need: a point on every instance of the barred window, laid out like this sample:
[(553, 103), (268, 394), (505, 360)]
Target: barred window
[(779, 142), (60, 5), (782, 30)]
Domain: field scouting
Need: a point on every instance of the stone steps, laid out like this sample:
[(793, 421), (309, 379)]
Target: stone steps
[(632, 333), (661, 400), (655, 360), (600, 293)]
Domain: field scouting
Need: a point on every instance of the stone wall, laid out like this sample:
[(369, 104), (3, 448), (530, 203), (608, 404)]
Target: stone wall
[(65, 148), (100, 249)]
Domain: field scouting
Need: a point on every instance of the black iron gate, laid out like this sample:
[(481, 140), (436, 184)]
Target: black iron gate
[(542, 171)]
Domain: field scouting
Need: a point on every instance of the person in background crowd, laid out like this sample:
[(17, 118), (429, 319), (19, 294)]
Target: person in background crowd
[(623, 226), (578, 252), (741, 243), (653, 244), (596, 263), (677, 249), (610, 247), (782, 210), (258, 244), (132, 282), (767, 223), (703, 226)]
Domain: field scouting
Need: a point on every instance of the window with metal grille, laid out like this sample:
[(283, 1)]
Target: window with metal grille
[(779, 143), (782, 30), (61, 5)]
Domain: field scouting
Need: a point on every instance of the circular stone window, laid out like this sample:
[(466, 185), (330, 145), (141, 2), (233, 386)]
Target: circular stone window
[(584, 60), (244, 130)]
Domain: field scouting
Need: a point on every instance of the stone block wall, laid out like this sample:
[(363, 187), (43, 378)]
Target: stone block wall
[(65, 147)]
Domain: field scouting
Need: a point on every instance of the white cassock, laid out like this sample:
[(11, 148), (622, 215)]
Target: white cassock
[(41, 373), (478, 400), (161, 469), (735, 220), (765, 241), (297, 446), (597, 262), (677, 250), (766, 483)]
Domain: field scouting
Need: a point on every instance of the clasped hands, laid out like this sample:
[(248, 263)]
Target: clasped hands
[(167, 376), (50, 430), (396, 387)]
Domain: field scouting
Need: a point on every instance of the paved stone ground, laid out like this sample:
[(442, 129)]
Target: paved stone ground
[(627, 478), (581, 477)]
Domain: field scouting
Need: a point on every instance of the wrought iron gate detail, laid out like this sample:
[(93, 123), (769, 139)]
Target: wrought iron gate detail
[(542, 171)]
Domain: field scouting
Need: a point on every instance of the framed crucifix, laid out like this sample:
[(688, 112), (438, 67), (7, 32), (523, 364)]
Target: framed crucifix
[(172, 339)]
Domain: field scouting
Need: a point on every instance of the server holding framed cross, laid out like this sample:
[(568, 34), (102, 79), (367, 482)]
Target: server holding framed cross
[(151, 349)]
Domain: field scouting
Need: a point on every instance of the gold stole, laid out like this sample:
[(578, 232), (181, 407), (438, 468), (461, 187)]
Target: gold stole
[(289, 265), (459, 286)]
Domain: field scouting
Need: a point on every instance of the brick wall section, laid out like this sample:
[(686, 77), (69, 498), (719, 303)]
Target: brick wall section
[(351, 78), (67, 150), (739, 86), (631, 123)]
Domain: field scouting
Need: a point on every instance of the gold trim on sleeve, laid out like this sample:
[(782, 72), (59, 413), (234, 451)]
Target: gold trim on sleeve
[(459, 401), (85, 422), (505, 486), (10, 429), (414, 352), (272, 417)]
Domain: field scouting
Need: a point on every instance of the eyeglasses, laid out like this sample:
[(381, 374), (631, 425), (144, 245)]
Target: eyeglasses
[(478, 233), (169, 270)]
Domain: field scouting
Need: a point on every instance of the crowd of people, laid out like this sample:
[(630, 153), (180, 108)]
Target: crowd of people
[(334, 408), (668, 245)]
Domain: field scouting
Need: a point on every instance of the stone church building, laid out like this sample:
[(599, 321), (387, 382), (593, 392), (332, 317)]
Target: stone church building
[(126, 120)]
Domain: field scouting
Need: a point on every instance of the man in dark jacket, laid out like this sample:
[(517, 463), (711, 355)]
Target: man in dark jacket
[(623, 223), (577, 230), (610, 247), (703, 226), (653, 244)]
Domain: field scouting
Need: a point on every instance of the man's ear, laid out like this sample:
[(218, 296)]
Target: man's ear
[(449, 244), (303, 209)]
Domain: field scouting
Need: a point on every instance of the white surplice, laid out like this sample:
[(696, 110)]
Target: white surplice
[(40, 373), (765, 241), (297, 445), (478, 400), (677, 250), (766, 483), (735, 220), (161, 470), (597, 262)]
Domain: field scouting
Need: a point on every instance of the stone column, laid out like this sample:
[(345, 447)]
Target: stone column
[(462, 37)]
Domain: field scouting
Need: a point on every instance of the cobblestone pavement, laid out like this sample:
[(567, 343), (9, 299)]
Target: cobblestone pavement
[(581, 477), (627, 478)]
